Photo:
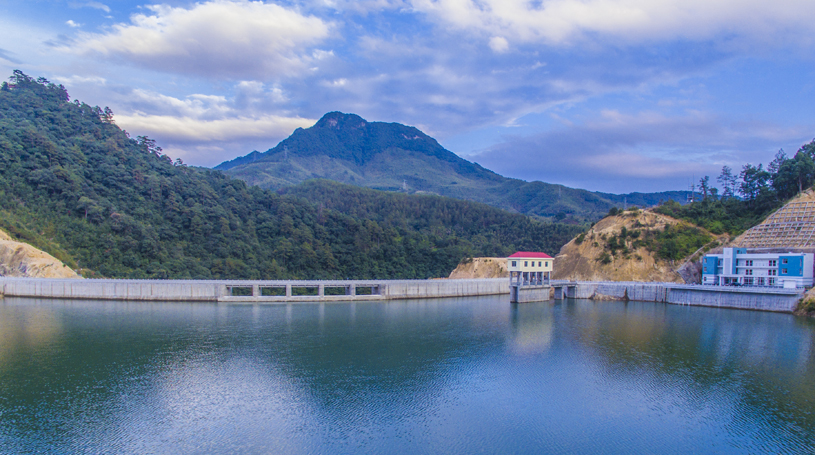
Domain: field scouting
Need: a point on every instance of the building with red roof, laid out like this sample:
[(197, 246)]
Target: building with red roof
[(529, 268)]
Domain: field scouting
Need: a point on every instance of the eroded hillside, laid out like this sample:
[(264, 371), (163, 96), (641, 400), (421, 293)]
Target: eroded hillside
[(19, 259), (481, 268), (635, 245)]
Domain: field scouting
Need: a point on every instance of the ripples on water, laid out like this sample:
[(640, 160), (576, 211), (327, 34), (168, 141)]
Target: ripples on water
[(428, 376)]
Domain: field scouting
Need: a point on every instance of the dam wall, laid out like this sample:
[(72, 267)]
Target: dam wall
[(746, 298), (249, 291), (282, 291)]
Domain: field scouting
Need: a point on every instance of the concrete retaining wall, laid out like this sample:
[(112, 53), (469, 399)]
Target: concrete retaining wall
[(742, 298), (765, 299)]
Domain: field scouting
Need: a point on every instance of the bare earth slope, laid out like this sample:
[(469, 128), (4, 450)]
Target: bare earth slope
[(587, 259), (19, 259), (481, 268)]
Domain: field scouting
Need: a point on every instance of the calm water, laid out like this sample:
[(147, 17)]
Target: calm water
[(432, 376)]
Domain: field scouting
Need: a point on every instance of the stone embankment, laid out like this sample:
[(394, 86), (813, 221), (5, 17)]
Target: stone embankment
[(18, 259)]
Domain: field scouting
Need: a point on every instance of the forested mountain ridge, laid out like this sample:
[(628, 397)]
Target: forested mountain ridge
[(391, 156), (76, 185)]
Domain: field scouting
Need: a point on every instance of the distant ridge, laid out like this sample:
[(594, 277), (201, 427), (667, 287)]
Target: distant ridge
[(390, 156)]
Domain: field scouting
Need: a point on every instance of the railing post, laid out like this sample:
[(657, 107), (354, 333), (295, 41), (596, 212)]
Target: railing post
[(288, 290)]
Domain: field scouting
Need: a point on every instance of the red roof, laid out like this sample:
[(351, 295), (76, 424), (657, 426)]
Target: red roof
[(530, 254)]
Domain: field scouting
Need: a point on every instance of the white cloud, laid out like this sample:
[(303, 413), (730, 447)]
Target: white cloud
[(499, 44), (95, 5), (220, 38), (190, 129), (76, 79), (73, 24), (636, 21), (205, 142)]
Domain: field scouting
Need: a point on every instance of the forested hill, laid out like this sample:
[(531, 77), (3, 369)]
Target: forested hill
[(76, 185), (390, 156)]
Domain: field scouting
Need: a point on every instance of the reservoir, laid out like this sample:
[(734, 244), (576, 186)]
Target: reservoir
[(457, 375)]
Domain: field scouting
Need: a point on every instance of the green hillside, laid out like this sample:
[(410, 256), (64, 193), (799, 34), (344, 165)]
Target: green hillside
[(76, 185), (395, 157)]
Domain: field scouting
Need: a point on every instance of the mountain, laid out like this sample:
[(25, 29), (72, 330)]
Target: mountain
[(394, 157), (75, 185)]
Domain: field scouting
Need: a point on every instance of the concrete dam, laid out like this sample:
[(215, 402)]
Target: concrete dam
[(288, 291)]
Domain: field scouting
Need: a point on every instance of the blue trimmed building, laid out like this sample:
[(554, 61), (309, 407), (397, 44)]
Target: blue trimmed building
[(738, 267)]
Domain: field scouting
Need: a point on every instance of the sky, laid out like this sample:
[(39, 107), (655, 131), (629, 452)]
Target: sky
[(608, 95)]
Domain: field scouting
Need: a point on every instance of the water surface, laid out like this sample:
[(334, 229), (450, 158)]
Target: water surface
[(474, 375)]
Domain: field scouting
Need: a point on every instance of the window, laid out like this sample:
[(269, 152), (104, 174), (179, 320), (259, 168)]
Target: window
[(748, 263), (748, 281), (748, 272), (539, 263), (546, 263), (784, 261), (772, 272), (526, 263), (771, 281), (773, 263), (783, 271), (515, 263)]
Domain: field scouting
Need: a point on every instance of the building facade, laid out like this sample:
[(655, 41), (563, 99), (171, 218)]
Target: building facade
[(529, 268), (738, 267)]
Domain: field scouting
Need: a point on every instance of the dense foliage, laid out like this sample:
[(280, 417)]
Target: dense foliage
[(749, 197), (75, 184)]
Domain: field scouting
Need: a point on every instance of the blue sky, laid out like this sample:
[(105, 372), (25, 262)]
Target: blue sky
[(608, 95)]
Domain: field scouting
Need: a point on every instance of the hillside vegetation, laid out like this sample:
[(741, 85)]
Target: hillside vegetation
[(750, 196), (635, 245), (76, 185), (395, 157)]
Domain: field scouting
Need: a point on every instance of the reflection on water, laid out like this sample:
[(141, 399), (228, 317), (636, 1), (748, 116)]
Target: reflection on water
[(425, 376)]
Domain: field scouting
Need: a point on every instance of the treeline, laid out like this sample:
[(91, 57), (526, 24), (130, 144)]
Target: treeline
[(748, 197), (495, 232), (72, 182)]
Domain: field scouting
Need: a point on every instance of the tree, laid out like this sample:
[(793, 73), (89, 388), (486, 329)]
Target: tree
[(704, 187), (728, 182), (753, 180), (778, 160), (794, 175)]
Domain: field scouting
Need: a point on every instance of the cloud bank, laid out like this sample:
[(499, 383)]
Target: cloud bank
[(216, 39)]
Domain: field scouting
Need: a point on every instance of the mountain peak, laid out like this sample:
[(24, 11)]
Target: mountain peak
[(338, 120)]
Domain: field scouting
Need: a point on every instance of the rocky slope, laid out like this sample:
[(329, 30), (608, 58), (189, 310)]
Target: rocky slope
[(635, 246), (481, 268), (19, 259)]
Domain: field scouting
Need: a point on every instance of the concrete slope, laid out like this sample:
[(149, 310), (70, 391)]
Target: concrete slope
[(19, 259)]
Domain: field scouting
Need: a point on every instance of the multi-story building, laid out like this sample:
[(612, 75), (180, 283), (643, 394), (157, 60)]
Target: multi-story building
[(738, 267)]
